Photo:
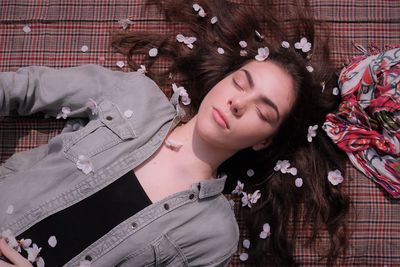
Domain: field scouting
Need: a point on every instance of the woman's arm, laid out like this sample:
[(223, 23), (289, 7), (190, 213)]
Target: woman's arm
[(43, 89)]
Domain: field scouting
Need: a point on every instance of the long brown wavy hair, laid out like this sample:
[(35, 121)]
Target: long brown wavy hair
[(317, 202)]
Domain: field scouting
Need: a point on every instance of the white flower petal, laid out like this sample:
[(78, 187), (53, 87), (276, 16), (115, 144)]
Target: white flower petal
[(190, 40), (26, 29), (153, 52), (120, 64), (52, 241), (243, 53), (310, 68), (196, 7), (128, 113), (84, 164), (220, 50), (246, 243), (39, 262), (298, 182), (180, 38), (214, 20), (259, 35), (250, 172), (243, 44), (202, 13), (306, 47), (10, 209), (190, 46), (239, 188), (84, 48), (142, 69), (335, 91), (285, 44), (266, 227), (25, 243), (263, 235), (244, 256), (335, 177), (33, 252)]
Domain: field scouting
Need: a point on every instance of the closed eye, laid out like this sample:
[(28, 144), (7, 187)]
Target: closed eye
[(261, 115), (237, 85)]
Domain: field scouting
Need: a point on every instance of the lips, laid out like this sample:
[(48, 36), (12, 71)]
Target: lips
[(220, 118)]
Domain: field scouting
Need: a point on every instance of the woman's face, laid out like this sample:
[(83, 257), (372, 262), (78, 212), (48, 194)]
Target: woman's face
[(246, 107)]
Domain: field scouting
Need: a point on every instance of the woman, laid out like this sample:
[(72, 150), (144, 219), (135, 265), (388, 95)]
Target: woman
[(256, 98)]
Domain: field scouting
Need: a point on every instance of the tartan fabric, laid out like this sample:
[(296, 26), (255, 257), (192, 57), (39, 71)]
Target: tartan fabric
[(60, 28)]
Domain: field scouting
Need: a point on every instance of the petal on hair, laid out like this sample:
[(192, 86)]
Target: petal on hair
[(298, 182), (220, 50), (285, 44), (244, 256), (243, 44), (246, 243), (214, 20), (153, 52)]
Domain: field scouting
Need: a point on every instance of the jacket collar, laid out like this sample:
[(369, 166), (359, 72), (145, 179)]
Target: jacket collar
[(210, 188)]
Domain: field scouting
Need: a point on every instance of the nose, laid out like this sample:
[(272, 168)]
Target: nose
[(237, 106)]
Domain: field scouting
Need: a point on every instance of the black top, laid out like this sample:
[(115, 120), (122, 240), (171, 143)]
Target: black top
[(79, 225)]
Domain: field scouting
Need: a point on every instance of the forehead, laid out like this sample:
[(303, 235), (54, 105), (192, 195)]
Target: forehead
[(273, 81)]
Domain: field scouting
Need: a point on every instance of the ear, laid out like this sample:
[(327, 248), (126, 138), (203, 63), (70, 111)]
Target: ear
[(261, 145)]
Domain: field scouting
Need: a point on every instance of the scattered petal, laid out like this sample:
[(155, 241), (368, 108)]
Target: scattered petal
[(312, 132), (335, 177), (304, 45), (153, 52), (142, 69), (52, 241), (10, 209), (263, 54), (92, 105), (249, 199), (185, 99), (84, 48), (25, 243), (298, 182), (243, 53), (292, 171), (120, 64), (322, 86), (335, 91), (84, 164), (26, 29), (266, 231), (310, 68), (125, 23), (246, 243), (259, 35), (285, 44), (202, 13), (39, 262), (250, 172), (186, 40), (214, 20), (128, 113), (239, 188), (172, 144), (64, 113), (196, 7), (244, 256), (10, 238), (84, 263), (282, 165), (243, 44), (33, 252), (220, 50)]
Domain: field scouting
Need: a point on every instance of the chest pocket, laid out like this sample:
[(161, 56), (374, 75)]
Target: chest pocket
[(107, 130), (161, 252)]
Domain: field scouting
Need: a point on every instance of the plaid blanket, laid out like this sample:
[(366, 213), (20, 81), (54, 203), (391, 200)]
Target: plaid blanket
[(68, 33)]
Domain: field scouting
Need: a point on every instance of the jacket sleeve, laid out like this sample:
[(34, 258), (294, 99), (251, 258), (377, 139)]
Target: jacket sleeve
[(43, 89)]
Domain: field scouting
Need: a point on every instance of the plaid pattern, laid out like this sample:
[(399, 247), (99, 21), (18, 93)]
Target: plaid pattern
[(60, 28)]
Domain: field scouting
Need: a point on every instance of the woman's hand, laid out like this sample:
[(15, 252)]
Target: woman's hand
[(16, 259)]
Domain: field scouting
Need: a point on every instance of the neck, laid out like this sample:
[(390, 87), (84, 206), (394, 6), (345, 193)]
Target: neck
[(196, 156)]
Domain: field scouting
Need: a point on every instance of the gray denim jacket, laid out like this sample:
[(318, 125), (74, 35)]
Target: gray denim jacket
[(129, 117)]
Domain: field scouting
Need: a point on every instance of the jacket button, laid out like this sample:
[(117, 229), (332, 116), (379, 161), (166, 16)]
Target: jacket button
[(133, 225), (109, 118), (191, 196), (88, 258), (166, 206)]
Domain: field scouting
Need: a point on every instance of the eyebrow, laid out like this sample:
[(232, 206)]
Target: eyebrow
[(264, 98)]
